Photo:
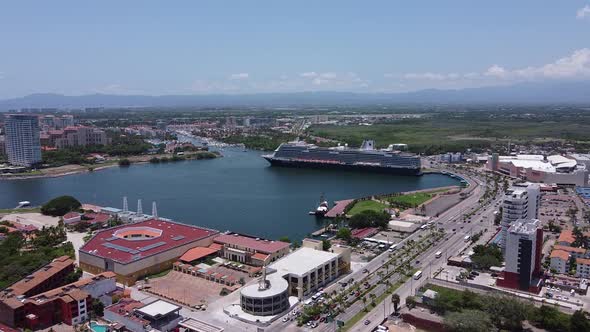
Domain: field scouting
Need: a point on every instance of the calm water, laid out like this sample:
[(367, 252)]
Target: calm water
[(238, 192)]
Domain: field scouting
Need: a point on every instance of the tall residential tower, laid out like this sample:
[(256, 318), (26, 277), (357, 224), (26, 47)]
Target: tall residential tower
[(520, 202), (23, 145)]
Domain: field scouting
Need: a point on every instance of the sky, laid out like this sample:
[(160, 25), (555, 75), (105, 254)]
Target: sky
[(205, 47)]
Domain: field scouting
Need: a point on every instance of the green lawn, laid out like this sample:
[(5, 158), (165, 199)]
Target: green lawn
[(413, 199), (366, 205)]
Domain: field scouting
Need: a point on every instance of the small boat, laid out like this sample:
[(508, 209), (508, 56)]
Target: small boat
[(322, 208)]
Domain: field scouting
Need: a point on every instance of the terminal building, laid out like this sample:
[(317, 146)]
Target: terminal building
[(537, 168), (299, 274), (524, 246), (136, 250)]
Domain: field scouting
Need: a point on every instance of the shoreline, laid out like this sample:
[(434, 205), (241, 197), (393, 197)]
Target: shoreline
[(86, 169)]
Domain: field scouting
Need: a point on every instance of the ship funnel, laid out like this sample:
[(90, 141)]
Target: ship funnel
[(368, 145)]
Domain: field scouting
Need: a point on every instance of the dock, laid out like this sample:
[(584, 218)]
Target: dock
[(338, 208)]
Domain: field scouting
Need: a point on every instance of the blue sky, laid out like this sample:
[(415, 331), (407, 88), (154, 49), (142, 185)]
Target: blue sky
[(200, 47)]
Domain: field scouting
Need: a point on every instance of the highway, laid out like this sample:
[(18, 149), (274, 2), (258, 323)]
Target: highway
[(452, 244)]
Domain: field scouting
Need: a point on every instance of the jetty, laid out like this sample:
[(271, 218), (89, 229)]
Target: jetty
[(338, 208)]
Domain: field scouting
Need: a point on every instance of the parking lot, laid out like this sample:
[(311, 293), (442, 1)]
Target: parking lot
[(184, 288)]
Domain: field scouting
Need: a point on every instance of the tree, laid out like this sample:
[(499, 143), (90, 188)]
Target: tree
[(61, 205), (344, 234), (579, 321), (326, 245), (410, 302), (468, 321), (580, 239), (124, 162), (97, 308), (285, 239), (395, 299), (364, 299), (369, 218)]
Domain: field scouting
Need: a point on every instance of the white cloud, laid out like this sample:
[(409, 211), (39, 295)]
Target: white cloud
[(583, 12), (239, 76), (575, 65), (309, 74), (496, 71)]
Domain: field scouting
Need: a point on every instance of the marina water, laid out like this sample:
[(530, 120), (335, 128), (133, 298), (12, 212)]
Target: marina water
[(239, 192)]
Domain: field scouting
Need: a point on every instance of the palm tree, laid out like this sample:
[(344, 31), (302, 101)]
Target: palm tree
[(364, 299), (395, 300)]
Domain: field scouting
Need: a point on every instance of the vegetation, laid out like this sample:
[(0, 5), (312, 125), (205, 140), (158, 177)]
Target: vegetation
[(285, 239), (468, 311), (60, 206), (468, 321), (460, 130), (124, 162), (266, 142), (121, 145), (366, 205), (369, 218), (485, 256), (344, 234), (411, 200), (20, 257), (326, 245)]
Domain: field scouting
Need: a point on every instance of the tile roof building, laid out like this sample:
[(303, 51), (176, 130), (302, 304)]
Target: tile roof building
[(46, 278), (250, 250), (566, 238), (559, 261), (135, 250), (67, 304)]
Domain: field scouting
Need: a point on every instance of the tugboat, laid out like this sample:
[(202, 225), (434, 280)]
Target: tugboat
[(322, 208)]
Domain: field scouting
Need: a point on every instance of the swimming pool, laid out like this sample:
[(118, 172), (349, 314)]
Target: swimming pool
[(94, 326)]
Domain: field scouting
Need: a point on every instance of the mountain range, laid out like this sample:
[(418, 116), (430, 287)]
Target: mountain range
[(554, 92)]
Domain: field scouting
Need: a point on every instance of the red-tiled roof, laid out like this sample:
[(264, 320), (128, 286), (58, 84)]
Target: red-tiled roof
[(583, 261), (42, 275), (265, 246), (566, 236), (260, 256), (216, 246), (570, 249), (362, 233), (197, 253), (104, 244), (71, 215), (97, 218), (557, 253)]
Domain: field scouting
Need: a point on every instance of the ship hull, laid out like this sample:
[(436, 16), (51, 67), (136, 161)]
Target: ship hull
[(347, 167)]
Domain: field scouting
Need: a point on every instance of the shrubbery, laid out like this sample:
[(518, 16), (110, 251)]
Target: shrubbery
[(61, 205)]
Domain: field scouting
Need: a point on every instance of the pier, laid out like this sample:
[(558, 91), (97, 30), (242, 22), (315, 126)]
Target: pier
[(338, 208)]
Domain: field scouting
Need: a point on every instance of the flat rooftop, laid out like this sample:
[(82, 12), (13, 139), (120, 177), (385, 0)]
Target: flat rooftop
[(158, 309), (128, 243), (302, 261)]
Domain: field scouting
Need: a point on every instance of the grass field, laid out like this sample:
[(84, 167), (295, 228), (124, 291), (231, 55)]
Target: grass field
[(366, 205), (448, 131), (413, 199)]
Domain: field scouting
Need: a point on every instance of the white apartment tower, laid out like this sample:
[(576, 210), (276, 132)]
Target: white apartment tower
[(520, 202), (23, 145), (524, 245)]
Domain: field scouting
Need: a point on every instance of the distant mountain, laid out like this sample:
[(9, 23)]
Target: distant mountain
[(537, 93)]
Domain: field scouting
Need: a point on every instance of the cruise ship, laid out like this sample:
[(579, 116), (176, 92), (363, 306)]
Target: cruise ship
[(367, 158)]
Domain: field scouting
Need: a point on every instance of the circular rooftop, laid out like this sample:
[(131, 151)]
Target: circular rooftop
[(137, 233)]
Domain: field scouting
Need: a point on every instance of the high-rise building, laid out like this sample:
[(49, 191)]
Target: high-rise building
[(520, 202), (23, 145), (524, 245)]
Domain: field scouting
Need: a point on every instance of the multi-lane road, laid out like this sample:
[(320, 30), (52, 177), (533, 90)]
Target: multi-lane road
[(451, 221)]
